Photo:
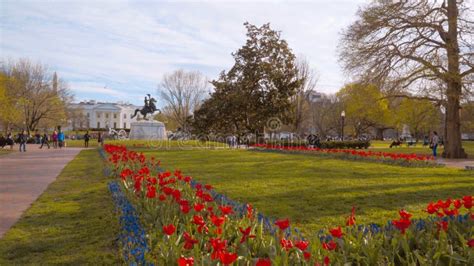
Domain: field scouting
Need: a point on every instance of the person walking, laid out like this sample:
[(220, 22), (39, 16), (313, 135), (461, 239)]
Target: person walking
[(22, 139), (45, 140), (86, 139), (54, 137), (9, 140), (99, 139), (61, 139), (434, 143)]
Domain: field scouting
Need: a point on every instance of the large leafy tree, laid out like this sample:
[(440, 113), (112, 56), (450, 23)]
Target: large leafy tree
[(259, 86), (409, 47), (421, 116), (364, 108)]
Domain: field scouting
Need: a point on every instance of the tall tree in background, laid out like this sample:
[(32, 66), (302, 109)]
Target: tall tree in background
[(183, 92), (325, 115), (407, 46), (299, 102), (421, 116), (259, 86), (364, 108), (31, 88)]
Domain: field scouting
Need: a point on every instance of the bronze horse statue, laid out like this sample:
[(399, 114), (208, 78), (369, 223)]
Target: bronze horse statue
[(149, 107)]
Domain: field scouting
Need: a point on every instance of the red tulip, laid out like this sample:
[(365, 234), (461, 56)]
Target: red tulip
[(468, 202), (208, 187), (470, 243), (227, 258), (401, 224), (457, 204), (162, 197), (336, 232), (307, 255), (450, 212), (351, 219), (286, 244), (264, 262), (151, 192), (218, 247), (226, 210), (404, 215), (169, 229), (443, 225), (283, 224), (432, 208), (331, 245), (249, 211), (327, 260), (245, 234), (186, 261), (217, 221), (199, 207), (185, 208), (302, 245), (189, 241)]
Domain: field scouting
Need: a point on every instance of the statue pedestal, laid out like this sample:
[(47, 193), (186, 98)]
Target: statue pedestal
[(148, 130)]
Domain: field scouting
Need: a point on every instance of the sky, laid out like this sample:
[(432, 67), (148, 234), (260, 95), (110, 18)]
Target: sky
[(120, 50)]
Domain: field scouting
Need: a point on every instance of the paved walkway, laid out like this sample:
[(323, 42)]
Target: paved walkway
[(24, 176), (457, 163)]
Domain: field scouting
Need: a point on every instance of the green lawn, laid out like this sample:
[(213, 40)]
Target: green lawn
[(73, 221), (315, 192), (378, 145)]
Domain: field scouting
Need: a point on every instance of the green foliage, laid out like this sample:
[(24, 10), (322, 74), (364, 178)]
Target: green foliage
[(259, 86), (365, 107), (71, 223), (421, 116)]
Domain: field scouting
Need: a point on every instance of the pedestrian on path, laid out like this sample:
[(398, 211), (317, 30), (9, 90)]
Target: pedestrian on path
[(10, 140), (45, 140), (99, 139), (22, 139), (61, 139), (54, 137), (434, 143), (86, 139)]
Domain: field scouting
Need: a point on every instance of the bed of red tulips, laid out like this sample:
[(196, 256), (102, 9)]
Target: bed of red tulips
[(186, 224), (368, 155)]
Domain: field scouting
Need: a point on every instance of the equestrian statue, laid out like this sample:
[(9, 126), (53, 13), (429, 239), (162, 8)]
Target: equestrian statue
[(149, 108)]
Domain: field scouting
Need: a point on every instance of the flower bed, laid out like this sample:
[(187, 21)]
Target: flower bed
[(188, 223), (401, 159)]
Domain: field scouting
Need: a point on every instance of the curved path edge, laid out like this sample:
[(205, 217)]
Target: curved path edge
[(25, 176)]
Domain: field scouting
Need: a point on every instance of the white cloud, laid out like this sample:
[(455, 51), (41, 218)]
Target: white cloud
[(128, 46)]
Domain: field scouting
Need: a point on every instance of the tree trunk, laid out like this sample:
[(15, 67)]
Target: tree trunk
[(452, 142)]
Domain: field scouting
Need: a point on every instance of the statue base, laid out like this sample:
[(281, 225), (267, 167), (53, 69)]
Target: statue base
[(148, 130)]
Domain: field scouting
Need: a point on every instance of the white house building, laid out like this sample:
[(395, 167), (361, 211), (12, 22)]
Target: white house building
[(102, 115)]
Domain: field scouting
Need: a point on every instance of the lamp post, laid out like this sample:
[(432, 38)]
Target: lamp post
[(343, 116)]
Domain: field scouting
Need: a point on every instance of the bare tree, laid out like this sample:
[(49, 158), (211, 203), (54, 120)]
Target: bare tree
[(183, 92), (407, 46), (31, 85), (300, 103), (324, 114)]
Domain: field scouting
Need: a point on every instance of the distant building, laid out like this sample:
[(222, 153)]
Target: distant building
[(100, 115)]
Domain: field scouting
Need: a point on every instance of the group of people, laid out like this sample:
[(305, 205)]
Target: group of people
[(57, 139)]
